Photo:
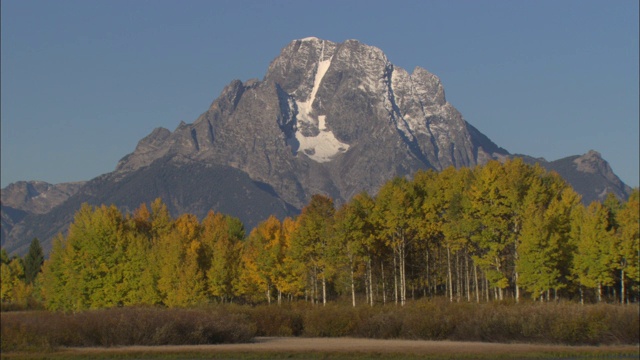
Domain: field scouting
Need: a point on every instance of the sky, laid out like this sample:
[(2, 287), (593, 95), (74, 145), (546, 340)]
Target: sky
[(83, 81)]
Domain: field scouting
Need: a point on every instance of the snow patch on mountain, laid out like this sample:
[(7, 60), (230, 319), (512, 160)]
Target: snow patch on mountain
[(323, 146)]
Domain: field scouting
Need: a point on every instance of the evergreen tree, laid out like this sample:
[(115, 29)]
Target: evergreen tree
[(4, 257), (33, 261)]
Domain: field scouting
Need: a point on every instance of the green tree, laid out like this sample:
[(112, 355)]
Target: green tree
[(4, 257), (394, 213), (594, 259), (543, 251), (12, 285), (490, 214), (353, 236), (33, 261), (310, 242), (56, 275), (224, 234), (91, 256)]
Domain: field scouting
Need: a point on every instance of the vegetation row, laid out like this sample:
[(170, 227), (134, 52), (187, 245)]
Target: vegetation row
[(567, 323), (500, 231)]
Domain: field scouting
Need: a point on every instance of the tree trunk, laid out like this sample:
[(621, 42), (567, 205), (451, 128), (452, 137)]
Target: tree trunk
[(475, 276), (517, 289), (622, 289), (449, 280), (467, 280), (384, 293), (353, 289), (426, 259), (395, 278), (370, 283), (486, 286), (315, 285), (269, 295), (599, 292), (458, 277), (403, 276), (324, 290)]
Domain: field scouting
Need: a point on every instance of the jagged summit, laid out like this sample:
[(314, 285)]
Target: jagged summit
[(327, 104)]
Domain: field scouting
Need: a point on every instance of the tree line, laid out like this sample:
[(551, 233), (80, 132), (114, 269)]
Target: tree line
[(499, 231)]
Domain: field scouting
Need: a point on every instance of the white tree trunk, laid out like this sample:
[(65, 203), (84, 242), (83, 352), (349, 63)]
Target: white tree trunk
[(353, 289), (517, 289), (324, 290)]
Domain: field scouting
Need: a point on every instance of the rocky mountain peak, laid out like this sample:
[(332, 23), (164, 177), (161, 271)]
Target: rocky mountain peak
[(592, 163), (321, 109)]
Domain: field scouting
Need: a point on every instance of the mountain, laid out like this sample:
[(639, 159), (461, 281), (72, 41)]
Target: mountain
[(589, 175), (331, 118), (321, 110), (20, 199)]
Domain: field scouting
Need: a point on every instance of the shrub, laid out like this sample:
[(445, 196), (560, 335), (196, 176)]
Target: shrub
[(430, 321), (330, 320), (274, 320), (126, 326), (564, 323), (381, 325)]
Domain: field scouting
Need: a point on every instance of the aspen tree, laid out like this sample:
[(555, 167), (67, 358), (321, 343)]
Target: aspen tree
[(628, 219), (310, 242)]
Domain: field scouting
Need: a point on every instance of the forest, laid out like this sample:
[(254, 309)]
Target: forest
[(503, 231)]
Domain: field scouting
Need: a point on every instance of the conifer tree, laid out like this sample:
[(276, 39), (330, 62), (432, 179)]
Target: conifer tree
[(33, 261)]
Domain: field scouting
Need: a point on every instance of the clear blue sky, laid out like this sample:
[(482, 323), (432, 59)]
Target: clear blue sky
[(83, 81)]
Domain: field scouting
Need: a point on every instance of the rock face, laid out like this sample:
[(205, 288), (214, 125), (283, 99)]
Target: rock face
[(591, 176), (331, 118), (24, 198), (37, 197), (327, 118)]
